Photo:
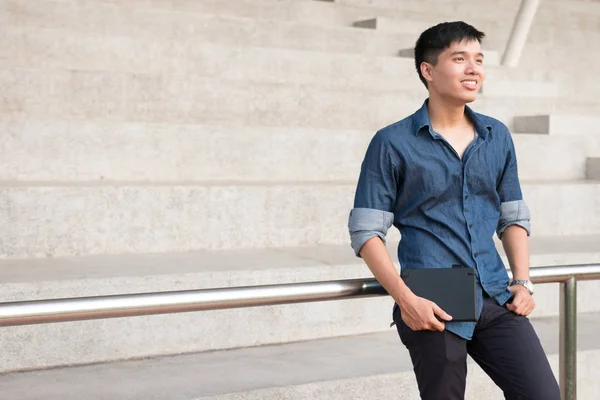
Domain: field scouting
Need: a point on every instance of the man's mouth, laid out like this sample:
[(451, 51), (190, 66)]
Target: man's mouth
[(471, 84)]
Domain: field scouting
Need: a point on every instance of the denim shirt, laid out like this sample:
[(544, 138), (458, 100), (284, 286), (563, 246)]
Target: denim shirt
[(446, 208)]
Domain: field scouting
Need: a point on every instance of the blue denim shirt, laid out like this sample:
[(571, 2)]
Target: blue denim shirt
[(446, 208)]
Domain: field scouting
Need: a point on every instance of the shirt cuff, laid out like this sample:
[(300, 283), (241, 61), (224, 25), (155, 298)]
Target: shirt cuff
[(514, 213), (366, 223)]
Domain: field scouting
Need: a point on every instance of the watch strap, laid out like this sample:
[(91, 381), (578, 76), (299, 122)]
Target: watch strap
[(525, 283)]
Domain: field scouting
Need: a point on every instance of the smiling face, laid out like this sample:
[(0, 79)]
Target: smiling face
[(458, 74)]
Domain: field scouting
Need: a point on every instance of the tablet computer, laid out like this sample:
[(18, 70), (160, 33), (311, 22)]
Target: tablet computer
[(452, 289)]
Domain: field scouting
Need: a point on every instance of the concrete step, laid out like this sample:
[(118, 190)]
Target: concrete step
[(172, 98), (575, 15), (491, 57), (64, 219), (542, 158), (556, 24), (393, 24), (542, 36), (535, 55), (557, 124), (416, 26), (118, 18), (180, 25), (496, 32), (56, 49), (104, 19), (588, 85), (61, 151), (184, 27), (506, 109), (447, 8), (305, 11), (123, 338), (355, 367), (549, 11), (186, 99)]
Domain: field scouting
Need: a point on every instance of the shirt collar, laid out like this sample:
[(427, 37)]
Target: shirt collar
[(421, 121)]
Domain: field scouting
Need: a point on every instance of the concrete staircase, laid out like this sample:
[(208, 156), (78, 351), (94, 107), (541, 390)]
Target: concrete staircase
[(139, 337), (159, 145), (354, 367)]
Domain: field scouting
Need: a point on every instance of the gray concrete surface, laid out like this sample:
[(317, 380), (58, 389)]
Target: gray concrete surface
[(242, 370), (81, 79), (48, 345), (133, 151), (557, 124), (402, 385), (62, 219)]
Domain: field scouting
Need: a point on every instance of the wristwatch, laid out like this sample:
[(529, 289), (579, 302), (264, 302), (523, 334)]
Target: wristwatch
[(528, 285)]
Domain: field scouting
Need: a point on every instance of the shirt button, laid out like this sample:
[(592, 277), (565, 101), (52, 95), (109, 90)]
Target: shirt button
[(470, 225), (466, 197), (476, 254)]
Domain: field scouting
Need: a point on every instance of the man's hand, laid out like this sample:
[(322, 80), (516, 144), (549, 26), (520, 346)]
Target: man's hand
[(419, 314), (523, 303)]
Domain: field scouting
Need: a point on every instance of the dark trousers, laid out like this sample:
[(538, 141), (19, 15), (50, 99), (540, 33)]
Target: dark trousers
[(504, 345)]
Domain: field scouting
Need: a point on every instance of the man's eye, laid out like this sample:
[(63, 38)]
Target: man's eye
[(459, 59), (480, 61)]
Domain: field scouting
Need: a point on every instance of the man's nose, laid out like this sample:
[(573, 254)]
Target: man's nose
[(473, 67)]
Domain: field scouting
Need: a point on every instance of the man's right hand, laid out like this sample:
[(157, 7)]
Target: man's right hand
[(419, 314)]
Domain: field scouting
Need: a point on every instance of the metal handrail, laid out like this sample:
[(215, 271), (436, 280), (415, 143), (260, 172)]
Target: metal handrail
[(84, 308)]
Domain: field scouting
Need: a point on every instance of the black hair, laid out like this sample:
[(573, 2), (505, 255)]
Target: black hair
[(438, 38)]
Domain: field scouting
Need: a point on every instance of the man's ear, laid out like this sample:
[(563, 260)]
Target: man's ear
[(426, 71)]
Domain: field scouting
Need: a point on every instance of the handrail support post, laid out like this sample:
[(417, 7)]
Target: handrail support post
[(568, 339)]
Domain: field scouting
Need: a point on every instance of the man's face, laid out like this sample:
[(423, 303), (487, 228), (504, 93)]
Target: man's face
[(458, 74)]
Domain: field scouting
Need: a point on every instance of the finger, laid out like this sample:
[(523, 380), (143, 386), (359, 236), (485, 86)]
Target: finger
[(531, 307), (528, 311), (521, 307), (526, 307), (436, 325), (511, 307), (528, 302), (517, 301), (441, 313)]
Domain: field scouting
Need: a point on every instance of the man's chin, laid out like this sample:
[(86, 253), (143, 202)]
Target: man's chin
[(465, 100), (469, 98), (462, 98)]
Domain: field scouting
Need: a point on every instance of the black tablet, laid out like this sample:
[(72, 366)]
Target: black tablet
[(452, 289)]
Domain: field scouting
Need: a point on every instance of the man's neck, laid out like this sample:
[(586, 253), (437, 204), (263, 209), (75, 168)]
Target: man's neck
[(444, 116)]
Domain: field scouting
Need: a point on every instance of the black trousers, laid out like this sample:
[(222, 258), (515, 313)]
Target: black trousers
[(504, 345)]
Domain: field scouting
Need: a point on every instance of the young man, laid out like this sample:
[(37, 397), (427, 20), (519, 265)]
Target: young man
[(446, 177)]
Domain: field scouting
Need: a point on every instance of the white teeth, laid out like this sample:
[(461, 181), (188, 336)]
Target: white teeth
[(470, 82)]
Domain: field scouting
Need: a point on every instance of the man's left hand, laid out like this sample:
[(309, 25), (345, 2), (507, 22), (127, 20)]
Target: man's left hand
[(523, 303)]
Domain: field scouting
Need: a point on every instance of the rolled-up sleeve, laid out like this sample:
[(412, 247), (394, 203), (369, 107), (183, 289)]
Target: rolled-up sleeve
[(366, 223), (514, 213), (513, 209), (375, 196)]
